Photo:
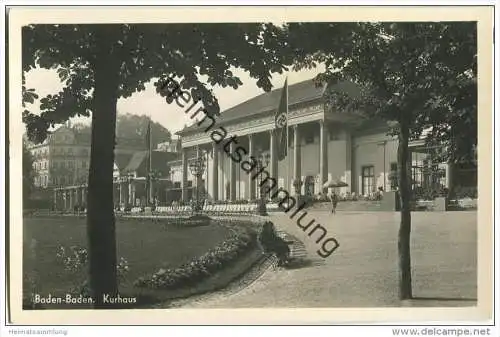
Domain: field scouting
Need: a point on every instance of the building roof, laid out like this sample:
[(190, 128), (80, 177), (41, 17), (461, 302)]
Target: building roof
[(159, 162), (267, 102), (121, 160), (302, 92), (135, 161)]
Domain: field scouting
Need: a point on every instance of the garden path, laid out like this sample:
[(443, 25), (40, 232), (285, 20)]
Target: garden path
[(363, 272)]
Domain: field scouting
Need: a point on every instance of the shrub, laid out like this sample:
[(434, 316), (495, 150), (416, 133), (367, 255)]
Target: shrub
[(75, 260), (462, 192), (201, 267)]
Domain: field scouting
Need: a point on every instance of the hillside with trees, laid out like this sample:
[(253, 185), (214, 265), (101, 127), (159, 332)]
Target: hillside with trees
[(131, 127)]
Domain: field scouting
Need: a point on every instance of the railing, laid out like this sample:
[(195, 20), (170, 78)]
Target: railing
[(218, 209)]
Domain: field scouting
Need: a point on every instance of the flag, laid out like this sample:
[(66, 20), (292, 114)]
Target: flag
[(281, 122)]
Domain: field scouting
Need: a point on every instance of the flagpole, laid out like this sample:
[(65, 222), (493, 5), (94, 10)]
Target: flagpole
[(150, 181), (150, 147), (287, 142)]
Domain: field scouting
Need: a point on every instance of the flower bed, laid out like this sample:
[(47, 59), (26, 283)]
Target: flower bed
[(240, 242)]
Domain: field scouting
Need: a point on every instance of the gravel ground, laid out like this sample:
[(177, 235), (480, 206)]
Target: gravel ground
[(363, 272)]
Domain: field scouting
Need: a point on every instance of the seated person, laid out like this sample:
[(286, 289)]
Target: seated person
[(272, 243)]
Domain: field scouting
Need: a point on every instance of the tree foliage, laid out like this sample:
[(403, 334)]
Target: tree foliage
[(100, 63), (135, 127), (423, 72), (417, 76), (141, 53), (132, 128)]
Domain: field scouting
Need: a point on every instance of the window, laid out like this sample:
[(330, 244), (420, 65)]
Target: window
[(333, 133), (368, 179), (309, 138), (70, 164)]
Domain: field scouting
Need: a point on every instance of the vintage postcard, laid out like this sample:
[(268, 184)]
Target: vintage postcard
[(282, 165)]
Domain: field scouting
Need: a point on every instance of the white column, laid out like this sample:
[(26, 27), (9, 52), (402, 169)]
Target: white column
[(215, 171), (251, 182), (184, 175), (349, 169), (131, 193), (323, 155), (232, 176), (222, 186), (71, 202), (120, 188), (296, 155), (126, 192)]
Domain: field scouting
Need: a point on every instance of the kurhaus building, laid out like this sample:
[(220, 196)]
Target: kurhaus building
[(323, 144)]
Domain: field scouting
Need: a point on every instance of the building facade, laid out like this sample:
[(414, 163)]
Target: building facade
[(64, 157), (134, 183), (323, 144)]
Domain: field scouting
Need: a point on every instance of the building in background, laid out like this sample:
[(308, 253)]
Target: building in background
[(323, 144), (131, 179), (173, 146), (64, 157)]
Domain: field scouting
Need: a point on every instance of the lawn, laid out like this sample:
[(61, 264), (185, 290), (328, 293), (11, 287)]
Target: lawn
[(145, 244)]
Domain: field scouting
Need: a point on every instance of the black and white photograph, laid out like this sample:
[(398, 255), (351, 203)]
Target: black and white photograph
[(211, 158)]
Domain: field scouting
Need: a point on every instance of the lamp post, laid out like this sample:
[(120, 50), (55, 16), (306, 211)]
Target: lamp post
[(297, 185), (197, 168), (262, 163), (152, 177)]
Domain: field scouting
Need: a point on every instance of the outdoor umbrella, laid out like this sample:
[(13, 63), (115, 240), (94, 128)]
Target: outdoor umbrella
[(334, 183)]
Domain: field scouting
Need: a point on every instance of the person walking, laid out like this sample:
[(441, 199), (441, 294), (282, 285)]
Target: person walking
[(334, 200)]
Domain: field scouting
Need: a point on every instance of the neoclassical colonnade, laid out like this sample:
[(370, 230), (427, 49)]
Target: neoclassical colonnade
[(67, 197), (126, 189), (264, 140)]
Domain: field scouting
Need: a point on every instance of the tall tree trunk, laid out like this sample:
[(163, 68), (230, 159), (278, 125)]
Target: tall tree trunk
[(100, 216), (405, 289)]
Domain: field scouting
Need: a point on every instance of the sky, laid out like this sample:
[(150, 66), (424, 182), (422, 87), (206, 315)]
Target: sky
[(149, 103)]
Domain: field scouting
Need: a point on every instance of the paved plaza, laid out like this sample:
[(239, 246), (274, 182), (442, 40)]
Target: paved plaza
[(363, 272)]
